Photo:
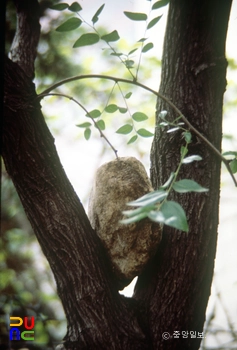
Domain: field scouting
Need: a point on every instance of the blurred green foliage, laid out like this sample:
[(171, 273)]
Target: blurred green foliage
[(27, 287)]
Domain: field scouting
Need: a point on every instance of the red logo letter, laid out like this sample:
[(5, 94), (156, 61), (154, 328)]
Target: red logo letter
[(26, 322)]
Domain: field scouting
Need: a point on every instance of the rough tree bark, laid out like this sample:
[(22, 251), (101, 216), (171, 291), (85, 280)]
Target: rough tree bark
[(172, 293), (194, 79)]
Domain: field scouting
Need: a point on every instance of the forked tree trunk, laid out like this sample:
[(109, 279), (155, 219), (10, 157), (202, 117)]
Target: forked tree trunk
[(172, 293)]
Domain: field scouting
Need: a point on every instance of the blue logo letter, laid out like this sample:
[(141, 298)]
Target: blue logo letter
[(16, 336)]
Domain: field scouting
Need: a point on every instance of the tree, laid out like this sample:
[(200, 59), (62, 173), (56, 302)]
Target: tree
[(172, 292)]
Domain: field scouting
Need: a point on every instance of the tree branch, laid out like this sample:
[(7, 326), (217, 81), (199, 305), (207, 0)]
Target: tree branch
[(24, 46), (88, 114), (156, 93)]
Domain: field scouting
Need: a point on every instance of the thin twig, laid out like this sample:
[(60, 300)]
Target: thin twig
[(88, 114), (134, 82)]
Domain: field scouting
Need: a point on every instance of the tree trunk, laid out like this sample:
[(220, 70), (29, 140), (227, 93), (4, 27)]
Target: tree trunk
[(172, 294), (193, 78), (98, 317)]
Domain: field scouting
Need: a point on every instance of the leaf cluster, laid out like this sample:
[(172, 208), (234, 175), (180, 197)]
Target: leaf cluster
[(155, 205), (158, 208), (95, 116), (93, 37), (73, 23)]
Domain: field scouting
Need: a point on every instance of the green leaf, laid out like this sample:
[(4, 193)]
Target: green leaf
[(168, 182), (147, 47), (87, 133), (173, 129), (87, 39), (122, 110), (70, 24), (132, 139), (233, 166), (142, 40), (163, 124), (144, 133), (150, 198), (153, 22), (101, 124), (125, 129), (183, 151), (156, 216), (132, 51), (59, 7), (75, 7), (94, 114), (134, 218), (136, 16), (191, 159), (96, 15), (128, 95), (129, 63), (162, 115), (187, 185), (139, 210), (230, 153), (116, 54), (139, 116), (113, 36), (111, 108), (174, 215), (187, 136), (84, 125), (160, 4)]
